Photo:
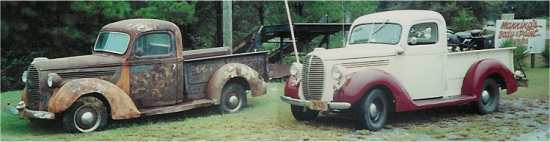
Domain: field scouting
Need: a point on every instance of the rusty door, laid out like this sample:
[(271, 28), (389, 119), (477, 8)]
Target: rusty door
[(154, 70)]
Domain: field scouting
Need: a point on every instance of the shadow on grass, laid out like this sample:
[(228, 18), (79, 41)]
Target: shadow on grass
[(53, 127), (399, 119)]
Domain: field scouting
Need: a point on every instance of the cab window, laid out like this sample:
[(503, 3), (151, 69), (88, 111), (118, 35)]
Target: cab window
[(423, 33), (154, 44)]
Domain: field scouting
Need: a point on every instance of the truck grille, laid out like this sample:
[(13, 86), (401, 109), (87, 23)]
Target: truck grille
[(33, 88), (313, 77)]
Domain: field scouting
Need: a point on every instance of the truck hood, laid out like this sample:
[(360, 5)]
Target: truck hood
[(96, 60), (355, 51)]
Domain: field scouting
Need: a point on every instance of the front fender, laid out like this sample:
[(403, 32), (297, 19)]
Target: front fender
[(121, 105), (234, 70), (481, 70), (359, 83)]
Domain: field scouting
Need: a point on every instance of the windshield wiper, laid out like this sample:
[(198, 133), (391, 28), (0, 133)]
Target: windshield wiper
[(379, 28)]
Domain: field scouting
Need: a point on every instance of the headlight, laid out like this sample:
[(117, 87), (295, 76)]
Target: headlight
[(24, 76), (53, 80), (295, 69), (337, 72)]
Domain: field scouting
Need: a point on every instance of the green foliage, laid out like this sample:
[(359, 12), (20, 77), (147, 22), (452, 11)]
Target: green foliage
[(465, 20), (546, 56), (519, 52), (110, 9)]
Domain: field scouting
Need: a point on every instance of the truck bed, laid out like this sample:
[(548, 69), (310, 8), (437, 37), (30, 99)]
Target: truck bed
[(458, 64), (197, 71)]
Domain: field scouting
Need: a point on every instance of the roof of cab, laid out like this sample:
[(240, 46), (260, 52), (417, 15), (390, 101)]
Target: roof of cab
[(132, 26), (400, 16)]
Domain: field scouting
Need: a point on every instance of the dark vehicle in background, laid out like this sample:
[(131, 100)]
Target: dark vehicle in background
[(138, 68)]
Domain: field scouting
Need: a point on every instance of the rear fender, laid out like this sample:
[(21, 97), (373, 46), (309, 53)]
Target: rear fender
[(360, 83), (234, 70), (121, 105), (483, 69)]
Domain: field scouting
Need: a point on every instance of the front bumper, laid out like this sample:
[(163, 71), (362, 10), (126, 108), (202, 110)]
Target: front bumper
[(316, 105), (24, 112)]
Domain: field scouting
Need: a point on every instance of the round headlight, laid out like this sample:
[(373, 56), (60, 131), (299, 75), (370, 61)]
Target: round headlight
[(337, 72), (53, 80), (24, 76), (295, 69)]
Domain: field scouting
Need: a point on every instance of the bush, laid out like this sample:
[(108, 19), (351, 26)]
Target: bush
[(519, 52)]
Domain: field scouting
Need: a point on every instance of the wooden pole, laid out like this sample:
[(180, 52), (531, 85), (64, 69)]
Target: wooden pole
[(227, 24), (532, 60), (292, 31)]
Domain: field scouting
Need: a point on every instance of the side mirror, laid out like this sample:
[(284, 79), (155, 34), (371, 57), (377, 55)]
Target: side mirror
[(400, 50), (413, 40), (139, 52)]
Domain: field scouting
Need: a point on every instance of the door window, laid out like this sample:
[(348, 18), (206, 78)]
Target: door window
[(423, 33), (154, 44)]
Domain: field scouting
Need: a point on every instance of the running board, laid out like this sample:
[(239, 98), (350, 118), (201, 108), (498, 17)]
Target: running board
[(446, 101), (177, 107)]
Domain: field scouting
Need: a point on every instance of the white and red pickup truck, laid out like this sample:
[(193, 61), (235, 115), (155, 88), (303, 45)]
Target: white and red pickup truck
[(397, 61)]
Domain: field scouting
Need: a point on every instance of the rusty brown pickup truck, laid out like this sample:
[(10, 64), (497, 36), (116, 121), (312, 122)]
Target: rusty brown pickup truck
[(138, 68)]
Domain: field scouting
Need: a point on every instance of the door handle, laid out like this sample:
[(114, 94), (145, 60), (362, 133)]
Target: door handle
[(174, 67)]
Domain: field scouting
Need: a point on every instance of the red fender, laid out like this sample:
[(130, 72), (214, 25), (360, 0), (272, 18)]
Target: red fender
[(360, 82), (481, 70), (291, 89)]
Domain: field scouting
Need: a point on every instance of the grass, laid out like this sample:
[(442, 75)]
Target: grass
[(268, 118)]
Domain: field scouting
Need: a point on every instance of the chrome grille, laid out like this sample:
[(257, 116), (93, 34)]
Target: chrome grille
[(313, 77), (33, 88)]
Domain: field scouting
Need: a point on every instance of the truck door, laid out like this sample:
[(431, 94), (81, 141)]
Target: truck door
[(423, 61), (154, 70)]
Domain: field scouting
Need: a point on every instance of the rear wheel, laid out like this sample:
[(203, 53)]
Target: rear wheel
[(233, 98), (489, 99), (301, 113), (373, 110), (87, 114)]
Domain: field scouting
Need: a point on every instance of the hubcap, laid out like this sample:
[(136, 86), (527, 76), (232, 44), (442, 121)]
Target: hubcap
[(233, 101), (373, 110), (87, 118), (485, 96)]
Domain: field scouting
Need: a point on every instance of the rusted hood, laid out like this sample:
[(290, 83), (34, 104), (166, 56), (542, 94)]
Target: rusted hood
[(96, 60)]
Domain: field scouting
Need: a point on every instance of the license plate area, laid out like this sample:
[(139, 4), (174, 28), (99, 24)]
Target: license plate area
[(318, 105)]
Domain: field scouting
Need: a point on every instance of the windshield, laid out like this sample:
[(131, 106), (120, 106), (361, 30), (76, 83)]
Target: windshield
[(385, 33), (114, 42)]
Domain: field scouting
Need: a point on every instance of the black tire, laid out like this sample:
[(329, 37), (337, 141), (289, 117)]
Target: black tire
[(73, 120), (488, 103), (301, 113), (233, 98), (373, 110)]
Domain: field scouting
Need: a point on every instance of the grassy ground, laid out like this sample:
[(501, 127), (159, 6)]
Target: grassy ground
[(522, 116)]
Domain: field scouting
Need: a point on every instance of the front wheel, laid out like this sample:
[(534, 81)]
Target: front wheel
[(489, 99), (87, 114), (301, 113), (233, 98), (373, 110)]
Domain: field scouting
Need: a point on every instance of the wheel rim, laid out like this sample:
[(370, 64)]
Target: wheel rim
[(86, 119), (485, 96), (375, 109), (233, 101)]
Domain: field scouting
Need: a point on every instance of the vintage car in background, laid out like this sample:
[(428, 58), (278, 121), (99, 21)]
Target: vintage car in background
[(138, 68), (398, 61)]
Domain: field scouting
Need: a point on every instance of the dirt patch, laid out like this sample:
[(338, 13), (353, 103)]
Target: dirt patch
[(518, 119)]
